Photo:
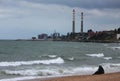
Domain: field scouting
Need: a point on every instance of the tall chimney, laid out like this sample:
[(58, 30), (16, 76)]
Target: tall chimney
[(73, 22), (81, 22)]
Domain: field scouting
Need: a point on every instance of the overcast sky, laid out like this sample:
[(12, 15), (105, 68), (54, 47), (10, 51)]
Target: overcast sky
[(27, 18)]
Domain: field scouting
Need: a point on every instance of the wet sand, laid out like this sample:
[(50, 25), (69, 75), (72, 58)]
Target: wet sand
[(102, 77)]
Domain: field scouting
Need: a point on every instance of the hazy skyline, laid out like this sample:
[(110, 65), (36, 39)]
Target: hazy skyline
[(27, 18)]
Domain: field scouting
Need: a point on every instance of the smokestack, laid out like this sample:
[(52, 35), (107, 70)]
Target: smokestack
[(81, 22), (73, 22)]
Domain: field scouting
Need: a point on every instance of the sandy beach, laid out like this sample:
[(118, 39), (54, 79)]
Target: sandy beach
[(102, 77)]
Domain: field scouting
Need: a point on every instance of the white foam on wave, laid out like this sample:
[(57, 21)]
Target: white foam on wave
[(60, 71), (118, 57), (105, 44), (100, 55), (115, 48), (58, 60), (96, 55), (52, 56), (115, 65), (57, 72), (108, 58), (71, 58), (20, 78), (51, 71), (33, 72), (85, 70), (111, 67)]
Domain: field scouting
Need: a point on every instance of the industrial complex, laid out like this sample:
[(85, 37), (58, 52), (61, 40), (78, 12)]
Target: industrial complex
[(89, 36)]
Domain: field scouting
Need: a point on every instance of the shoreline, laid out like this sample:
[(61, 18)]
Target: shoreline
[(101, 77), (86, 41)]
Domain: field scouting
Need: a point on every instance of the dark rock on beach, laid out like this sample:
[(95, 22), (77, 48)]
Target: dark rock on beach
[(99, 71)]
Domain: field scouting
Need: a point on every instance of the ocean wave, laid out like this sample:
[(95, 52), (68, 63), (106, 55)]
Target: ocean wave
[(58, 60), (59, 71), (20, 78), (49, 56), (111, 67), (51, 71), (32, 72), (118, 57), (115, 48), (115, 65), (96, 55), (52, 56), (108, 58), (105, 44), (71, 58), (85, 70)]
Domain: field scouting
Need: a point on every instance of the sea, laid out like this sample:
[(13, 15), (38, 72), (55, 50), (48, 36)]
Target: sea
[(21, 60)]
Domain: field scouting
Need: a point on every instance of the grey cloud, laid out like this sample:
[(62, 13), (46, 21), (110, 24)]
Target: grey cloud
[(83, 3)]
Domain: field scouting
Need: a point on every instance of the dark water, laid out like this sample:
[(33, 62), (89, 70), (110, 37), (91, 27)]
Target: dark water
[(30, 59)]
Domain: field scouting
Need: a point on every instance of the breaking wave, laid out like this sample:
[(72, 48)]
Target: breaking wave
[(58, 60), (111, 67), (96, 55), (108, 58), (71, 58), (115, 48), (114, 65), (52, 71), (52, 56), (20, 78), (61, 71), (100, 55), (31, 72)]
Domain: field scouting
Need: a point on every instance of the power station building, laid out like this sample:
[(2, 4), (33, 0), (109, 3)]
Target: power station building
[(77, 35)]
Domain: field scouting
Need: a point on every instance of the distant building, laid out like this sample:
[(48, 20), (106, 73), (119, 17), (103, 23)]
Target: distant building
[(56, 35), (102, 35), (33, 38), (77, 36), (42, 36), (91, 33), (118, 36)]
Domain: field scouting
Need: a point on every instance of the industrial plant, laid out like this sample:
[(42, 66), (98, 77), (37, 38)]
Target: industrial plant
[(89, 36)]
